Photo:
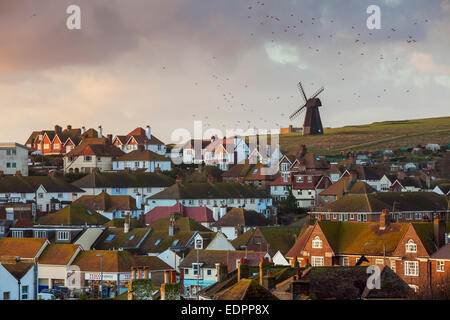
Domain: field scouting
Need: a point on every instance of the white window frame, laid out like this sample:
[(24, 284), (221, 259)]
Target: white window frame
[(65, 237), (411, 246), (411, 268), (440, 266), (317, 243), (317, 261)]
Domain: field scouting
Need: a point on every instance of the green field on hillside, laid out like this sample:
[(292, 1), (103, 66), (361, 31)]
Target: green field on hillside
[(374, 136)]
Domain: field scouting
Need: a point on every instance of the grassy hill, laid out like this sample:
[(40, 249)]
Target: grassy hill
[(371, 137)]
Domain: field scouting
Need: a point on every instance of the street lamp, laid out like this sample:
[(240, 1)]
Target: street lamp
[(101, 275), (384, 251)]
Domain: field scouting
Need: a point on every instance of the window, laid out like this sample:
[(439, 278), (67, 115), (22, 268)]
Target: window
[(110, 237), (208, 272), (317, 261), (411, 268), (186, 271), (300, 179), (40, 234), (63, 235), (309, 179), (196, 268), (157, 242), (393, 265), (317, 243), (6, 295), (440, 266), (257, 240), (352, 216), (24, 292), (345, 261), (379, 261), (411, 246), (17, 234), (284, 166), (40, 195), (60, 195), (87, 158), (8, 165), (13, 164)]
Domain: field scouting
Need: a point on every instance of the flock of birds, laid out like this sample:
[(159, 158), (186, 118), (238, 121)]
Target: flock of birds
[(278, 28)]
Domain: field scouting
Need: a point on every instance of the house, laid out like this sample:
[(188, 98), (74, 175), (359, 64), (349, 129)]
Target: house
[(139, 185), (440, 267), (260, 176), (276, 240), (224, 152), (306, 187), (142, 160), (111, 207), (27, 249), (19, 280), (172, 237), (48, 193), (343, 283), (238, 221), (202, 215), (197, 274), (111, 266), (57, 141), (192, 151), (280, 187), (403, 207), (336, 190), (207, 194), (126, 238), (54, 265), (153, 268), (13, 158), (76, 214), (140, 137), (404, 247), (407, 184), (90, 155)]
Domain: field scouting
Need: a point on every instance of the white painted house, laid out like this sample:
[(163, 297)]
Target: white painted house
[(18, 280), (13, 158), (225, 152), (142, 160)]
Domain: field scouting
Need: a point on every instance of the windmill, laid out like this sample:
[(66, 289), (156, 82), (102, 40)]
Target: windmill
[(312, 123)]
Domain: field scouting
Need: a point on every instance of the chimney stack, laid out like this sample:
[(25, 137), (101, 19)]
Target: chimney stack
[(58, 129), (221, 270), (179, 179), (215, 211), (385, 218), (243, 270), (439, 227), (18, 173), (83, 129), (110, 138), (222, 211), (100, 132), (171, 226), (126, 224), (148, 132), (157, 170)]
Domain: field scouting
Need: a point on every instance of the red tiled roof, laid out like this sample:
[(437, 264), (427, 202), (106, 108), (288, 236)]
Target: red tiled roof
[(25, 248), (199, 214)]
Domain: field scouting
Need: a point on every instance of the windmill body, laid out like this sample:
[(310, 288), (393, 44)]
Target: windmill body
[(312, 123)]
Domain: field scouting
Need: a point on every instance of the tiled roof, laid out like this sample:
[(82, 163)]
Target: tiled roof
[(296, 249), (256, 173), (29, 184), (108, 203), (124, 180), (95, 147), (360, 187), (240, 217), (140, 135), (19, 269), (355, 203), (199, 214), (58, 254), (144, 155), (73, 215), (442, 253), (352, 237), (238, 170), (25, 248), (152, 263), (280, 238), (246, 289), (338, 188), (206, 190), (113, 261), (414, 201)]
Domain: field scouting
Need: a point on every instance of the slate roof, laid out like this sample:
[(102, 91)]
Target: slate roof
[(25, 248), (116, 238), (355, 203), (338, 188), (29, 184), (204, 190), (240, 217), (360, 187), (108, 203), (73, 215), (443, 253), (58, 254), (124, 180), (414, 201)]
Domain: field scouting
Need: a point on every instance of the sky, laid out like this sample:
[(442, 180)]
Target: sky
[(228, 63)]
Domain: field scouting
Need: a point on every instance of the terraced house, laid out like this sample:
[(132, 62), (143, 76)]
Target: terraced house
[(404, 207), (142, 160), (233, 195), (140, 138), (139, 185), (46, 192), (404, 247)]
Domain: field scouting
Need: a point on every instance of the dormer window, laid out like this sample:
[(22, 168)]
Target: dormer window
[(63, 235), (411, 246), (317, 243)]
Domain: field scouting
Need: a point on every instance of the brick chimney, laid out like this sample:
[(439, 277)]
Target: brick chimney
[(179, 179), (157, 170), (58, 129), (126, 224), (439, 227), (222, 271), (385, 218), (18, 173), (171, 226), (268, 281), (109, 138)]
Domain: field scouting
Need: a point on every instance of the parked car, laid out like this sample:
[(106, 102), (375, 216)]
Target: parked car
[(46, 296)]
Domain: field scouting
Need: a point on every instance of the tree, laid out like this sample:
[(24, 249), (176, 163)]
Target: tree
[(289, 205)]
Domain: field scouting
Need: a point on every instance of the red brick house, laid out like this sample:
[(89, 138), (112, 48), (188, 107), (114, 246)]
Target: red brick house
[(405, 247)]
